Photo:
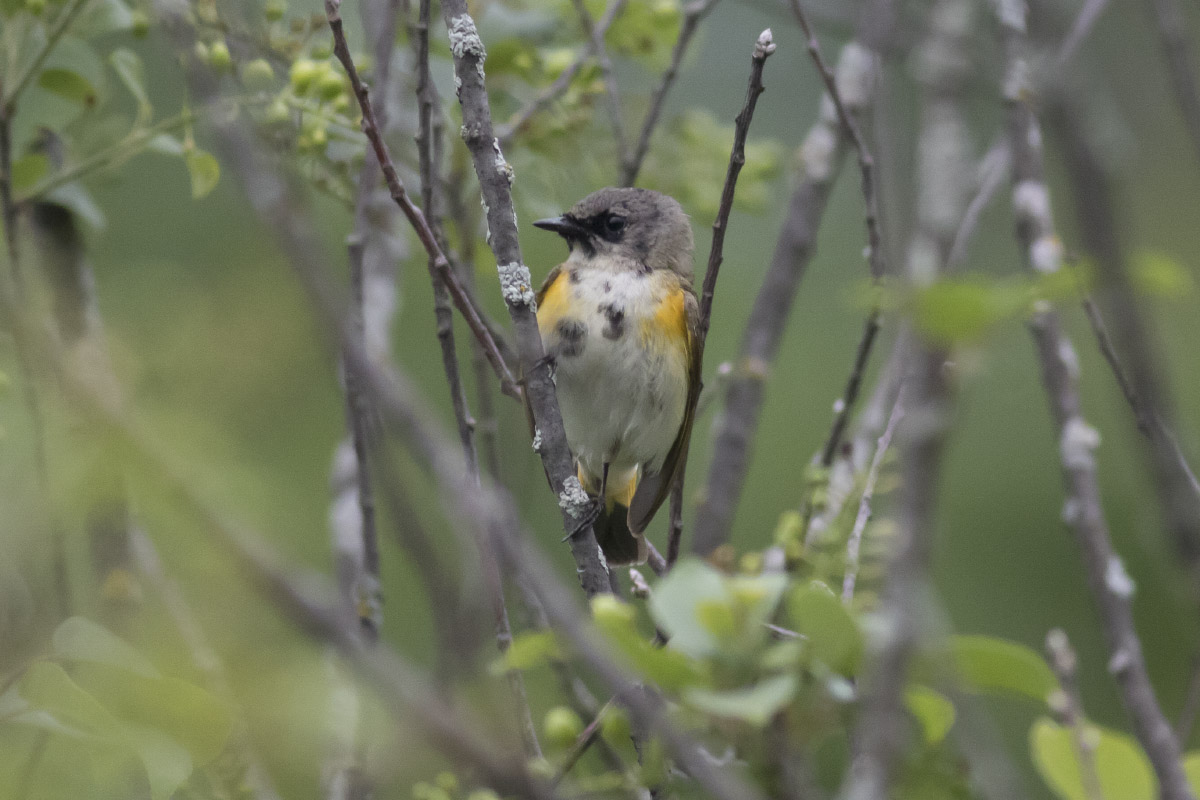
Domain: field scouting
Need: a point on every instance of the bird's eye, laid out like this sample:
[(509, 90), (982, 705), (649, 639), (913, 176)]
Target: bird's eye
[(614, 223)]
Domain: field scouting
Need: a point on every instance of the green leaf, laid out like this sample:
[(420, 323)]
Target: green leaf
[(932, 710), (676, 599), (129, 69), (832, 635), (167, 764), (69, 84), (963, 309), (74, 197), (45, 686), (79, 639), (528, 650), (754, 705), (103, 16), (1161, 275), (165, 144), (28, 170), (205, 171), (1123, 770), (1191, 767), (990, 664)]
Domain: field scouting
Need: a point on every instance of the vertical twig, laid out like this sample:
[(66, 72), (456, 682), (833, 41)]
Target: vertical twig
[(943, 175), (611, 90), (1068, 705), (516, 284), (1181, 64), (763, 48), (1111, 587), (694, 13)]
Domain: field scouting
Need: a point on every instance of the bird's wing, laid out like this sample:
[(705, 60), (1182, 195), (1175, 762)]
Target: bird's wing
[(654, 487)]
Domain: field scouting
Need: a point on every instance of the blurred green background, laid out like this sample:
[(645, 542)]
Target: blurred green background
[(222, 360)]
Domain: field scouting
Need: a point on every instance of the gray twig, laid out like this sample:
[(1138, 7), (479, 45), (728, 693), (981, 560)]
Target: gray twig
[(693, 14), (611, 90), (495, 181), (942, 170), (1068, 706), (1181, 64), (462, 300), (764, 46), (823, 151), (555, 90), (1111, 587)]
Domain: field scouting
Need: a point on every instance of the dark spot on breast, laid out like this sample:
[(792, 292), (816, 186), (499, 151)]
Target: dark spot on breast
[(614, 316), (572, 335), (573, 276), (607, 287), (643, 270)]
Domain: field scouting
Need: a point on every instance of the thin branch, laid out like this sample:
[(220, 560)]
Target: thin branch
[(611, 90), (854, 543), (1181, 64), (693, 14), (518, 121), (942, 170), (462, 300), (763, 48), (1068, 705), (516, 283), (994, 168), (1080, 28), (824, 149), (12, 92), (1111, 587)]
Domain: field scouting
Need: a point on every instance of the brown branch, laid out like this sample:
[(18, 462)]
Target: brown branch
[(370, 125), (611, 90), (942, 171), (694, 13), (1172, 29), (518, 121), (824, 149), (763, 48), (516, 283), (1111, 587)]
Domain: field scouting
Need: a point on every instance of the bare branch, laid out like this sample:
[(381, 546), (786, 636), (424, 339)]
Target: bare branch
[(611, 90), (693, 14), (943, 175), (516, 283), (1181, 64), (763, 48), (1111, 587), (555, 90), (823, 151), (462, 299)]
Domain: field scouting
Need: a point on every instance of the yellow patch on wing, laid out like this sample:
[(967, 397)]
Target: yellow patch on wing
[(669, 324), (553, 303)]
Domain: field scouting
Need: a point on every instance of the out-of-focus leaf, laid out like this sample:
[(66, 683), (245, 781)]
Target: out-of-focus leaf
[(1161, 275), (166, 144), (528, 650), (1122, 768), (28, 170), (961, 310), (129, 69), (754, 704), (675, 601), (990, 664), (80, 639), (74, 197), (167, 764), (932, 710), (69, 84), (45, 686), (99, 17), (1191, 767), (205, 171), (831, 634)]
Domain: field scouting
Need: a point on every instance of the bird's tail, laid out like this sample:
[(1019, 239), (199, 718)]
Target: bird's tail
[(620, 545)]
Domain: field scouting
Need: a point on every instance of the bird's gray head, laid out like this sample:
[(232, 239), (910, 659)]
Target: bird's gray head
[(643, 228)]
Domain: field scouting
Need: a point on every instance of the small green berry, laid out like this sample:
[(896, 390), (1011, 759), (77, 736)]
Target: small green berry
[(341, 103), (303, 73), (277, 113), (274, 10), (561, 726), (258, 75), (201, 51), (330, 85), (322, 51), (218, 56), (447, 782), (612, 614), (139, 24)]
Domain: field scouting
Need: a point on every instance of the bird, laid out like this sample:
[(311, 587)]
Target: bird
[(618, 321)]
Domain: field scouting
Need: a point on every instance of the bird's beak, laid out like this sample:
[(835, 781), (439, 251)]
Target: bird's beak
[(564, 226)]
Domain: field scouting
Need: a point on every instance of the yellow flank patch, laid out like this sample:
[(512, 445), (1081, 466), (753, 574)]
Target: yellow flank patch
[(554, 303), (624, 495), (669, 323)]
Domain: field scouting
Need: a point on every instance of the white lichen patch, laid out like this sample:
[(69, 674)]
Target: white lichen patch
[(516, 284), (1031, 199), (1046, 253), (600, 555), (856, 76), (503, 167), (1117, 580), (816, 153), (573, 499), (1077, 443), (1070, 361), (1120, 662), (464, 38), (537, 440)]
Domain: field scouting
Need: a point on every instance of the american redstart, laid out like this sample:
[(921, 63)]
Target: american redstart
[(618, 320)]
